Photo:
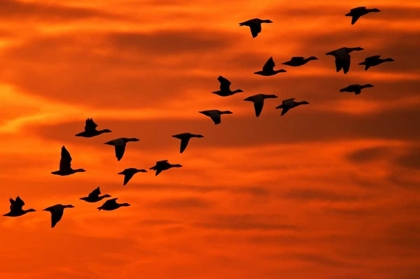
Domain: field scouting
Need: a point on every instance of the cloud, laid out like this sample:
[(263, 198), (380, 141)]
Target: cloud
[(182, 203), (410, 159), (319, 195), (369, 154)]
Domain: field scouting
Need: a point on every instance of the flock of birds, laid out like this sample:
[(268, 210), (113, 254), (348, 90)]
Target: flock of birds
[(342, 61)]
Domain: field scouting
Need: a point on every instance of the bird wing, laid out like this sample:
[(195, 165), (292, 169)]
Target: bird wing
[(161, 162), (56, 216), (258, 106), (65, 161), (95, 192), (342, 61), (269, 65), (357, 9), (255, 29), (90, 125), (357, 90), (288, 100), (119, 151), (127, 177), (354, 18), (184, 143), (285, 109), (158, 171), (216, 118), (224, 83)]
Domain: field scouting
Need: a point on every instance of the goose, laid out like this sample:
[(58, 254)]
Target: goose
[(16, 208), (225, 88), (120, 144), (94, 196), (215, 115), (90, 130), (65, 164), (268, 69), (356, 13), (374, 61), (112, 204), (289, 104), (258, 101), (255, 25), (342, 57), (164, 165), (356, 88), (185, 139), (57, 212), (129, 173), (297, 61)]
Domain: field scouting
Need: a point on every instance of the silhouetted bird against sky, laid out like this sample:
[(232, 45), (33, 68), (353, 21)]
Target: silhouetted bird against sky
[(164, 165), (120, 144), (215, 114), (356, 88), (268, 69), (374, 61), (225, 88), (16, 208), (57, 212), (289, 104), (297, 61), (258, 101), (112, 204), (90, 130), (185, 138), (94, 196), (65, 164), (356, 13), (255, 25), (342, 57), (129, 173)]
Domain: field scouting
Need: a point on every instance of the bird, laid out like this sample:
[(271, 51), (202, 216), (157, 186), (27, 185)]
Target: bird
[(120, 144), (112, 204), (65, 164), (342, 57), (90, 130), (356, 13), (164, 165), (225, 88), (258, 101), (215, 114), (289, 104), (297, 61), (255, 25), (57, 212), (356, 88), (185, 138), (94, 196), (16, 208), (268, 69), (374, 61), (129, 173)]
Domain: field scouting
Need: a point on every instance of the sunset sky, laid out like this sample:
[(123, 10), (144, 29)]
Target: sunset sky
[(329, 190)]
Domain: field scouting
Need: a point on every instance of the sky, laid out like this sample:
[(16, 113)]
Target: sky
[(329, 190)]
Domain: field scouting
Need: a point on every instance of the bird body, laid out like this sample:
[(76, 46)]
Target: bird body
[(112, 204), (65, 164), (342, 57), (258, 101), (356, 88), (268, 69), (374, 61), (90, 130), (57, 212), (215, 115), (119, 145), (225, 90), (356, 13), (185, 139), (289, 104), (16, 208), (129, 173), (297, 61), (164, 165), (94, 196), (255, 25)]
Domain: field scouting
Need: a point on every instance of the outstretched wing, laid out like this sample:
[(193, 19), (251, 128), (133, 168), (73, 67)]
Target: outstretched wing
[(119, 151), (354, 18), (184, 143), (342, 61), (95, 192), (269, 65), (255, 29), (90, 125), (56, 216), (65, 161), (224, 83), (258, 106), (127, 177), (216, 118), (285, 109), (16, 205)]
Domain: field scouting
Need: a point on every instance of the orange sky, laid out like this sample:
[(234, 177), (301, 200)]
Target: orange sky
[(330, 190)]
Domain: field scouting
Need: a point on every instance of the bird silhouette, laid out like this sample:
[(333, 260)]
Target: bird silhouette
[(225, 88), (289, 104), (94, 196), (112, 204), (356, 13), (374, 61), (342, 57), (163, 165), (185, 139), (255, 25), (129, 173), (268, 69), (119, 145), (90, 130), (16, 208), (65, 164), (297, 61), (215, 115), (356, 88), (57, 212), (258, 101)]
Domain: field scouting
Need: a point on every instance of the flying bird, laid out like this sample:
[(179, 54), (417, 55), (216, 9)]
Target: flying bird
[(297, 61), (57, 212), (225, 88), (65, 164), (258, 101), (255, 25), (268, 69), (289, 104), (16, 208), (374, 61), (94, 196), (112, 204), (356, 88), (120, 144), (164, 165), (215, 114), (129, 173), (185, 139), (356, 13), (342, 57), (90, 130)]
